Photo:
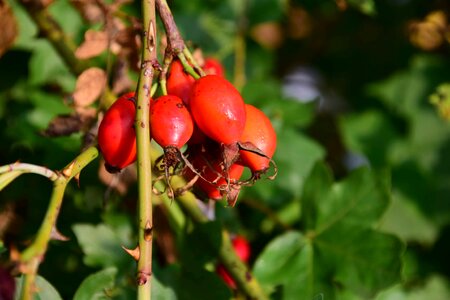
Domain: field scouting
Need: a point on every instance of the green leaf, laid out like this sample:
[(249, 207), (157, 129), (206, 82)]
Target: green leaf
[(7, 177), (203, 244), (96, 285), (295, 156), (44, 290), (161, 292), (365, 261), (340, 251), (264, 11), (100, 244), (275, 264), (46, 66), (436, 288), (405, 91), (405, 219), (369, 133), (365, 6), (200, 284)]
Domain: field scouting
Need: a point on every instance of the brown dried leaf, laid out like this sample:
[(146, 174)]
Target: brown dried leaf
[(121, 80), (8, 26), (268, 34), (65, 125), (89, 86), (90, 10), (95, 42)]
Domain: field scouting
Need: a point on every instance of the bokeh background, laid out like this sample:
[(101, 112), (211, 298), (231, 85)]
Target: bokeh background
[(359, 93)]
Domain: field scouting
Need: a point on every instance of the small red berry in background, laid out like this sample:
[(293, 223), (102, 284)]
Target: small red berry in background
[(213, 67), (170, 121), (258, 131), (179, 83), (7, 285), (116, 134), (218, 109), (242, 248)]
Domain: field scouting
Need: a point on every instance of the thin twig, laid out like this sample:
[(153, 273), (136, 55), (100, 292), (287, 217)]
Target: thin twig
[(228, 257)]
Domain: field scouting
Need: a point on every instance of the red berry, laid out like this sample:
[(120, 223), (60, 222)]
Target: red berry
[(170, 122), (242, 248), (218, 109), (222, 272), (116, 134), (258, 131), (179, 83), (198, 137), (213, 67), (212, 170)]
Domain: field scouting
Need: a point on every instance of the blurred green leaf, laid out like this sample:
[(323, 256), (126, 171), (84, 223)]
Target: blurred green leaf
[(46, 66), (365, 6), (441, 100), (265, 10), (204, 244), (100, 244), (369, 133), (340, 246), (436, 288), (44, 290), (295, 156), (161, 292), (406, 91), (407, 221), (28, 29), (202, 285), (67, 17), (96, 285)]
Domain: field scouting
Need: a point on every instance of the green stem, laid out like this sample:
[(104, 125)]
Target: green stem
[(240, 47), (192, 61), (33, 255), (50, 29), (144, 168), (29, 168), (187, 66), (228, 257)]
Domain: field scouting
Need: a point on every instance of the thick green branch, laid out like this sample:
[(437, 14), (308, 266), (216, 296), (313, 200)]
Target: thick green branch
[(144, 167), (32, 256)]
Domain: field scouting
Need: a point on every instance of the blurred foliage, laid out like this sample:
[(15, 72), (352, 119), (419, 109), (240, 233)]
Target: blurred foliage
[(348, 84)]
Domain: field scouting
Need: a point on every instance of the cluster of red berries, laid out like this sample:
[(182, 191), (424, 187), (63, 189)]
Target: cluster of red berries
[(223, 134)]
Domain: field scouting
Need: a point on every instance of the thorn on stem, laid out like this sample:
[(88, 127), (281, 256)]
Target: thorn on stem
[(135, 253), (58, 236), (67, 172)]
